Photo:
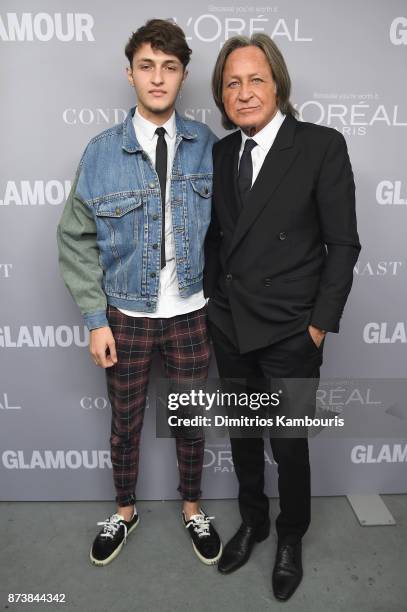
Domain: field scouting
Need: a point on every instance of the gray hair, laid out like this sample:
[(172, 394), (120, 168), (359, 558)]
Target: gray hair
[(277, 65)]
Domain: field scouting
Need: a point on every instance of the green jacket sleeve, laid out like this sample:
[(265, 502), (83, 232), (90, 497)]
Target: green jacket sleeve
[(79, 259)]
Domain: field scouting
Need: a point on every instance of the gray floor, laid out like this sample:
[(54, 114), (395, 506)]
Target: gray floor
[(44, 549)]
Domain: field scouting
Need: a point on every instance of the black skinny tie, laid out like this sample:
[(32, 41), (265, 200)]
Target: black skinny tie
[(246, 168), (161, 168)]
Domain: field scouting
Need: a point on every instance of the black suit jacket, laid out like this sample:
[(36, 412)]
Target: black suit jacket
[(285, 260)]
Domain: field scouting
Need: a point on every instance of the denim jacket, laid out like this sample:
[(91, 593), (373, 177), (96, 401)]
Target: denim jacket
[(109, 235)]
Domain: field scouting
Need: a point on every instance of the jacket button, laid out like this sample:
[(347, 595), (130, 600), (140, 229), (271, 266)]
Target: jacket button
[(151, 185), (282, 235), (155, 246), (155, 217), (148, 304), (267, 282), (221, 234), (118, 211), (153, 274), (229, 277)]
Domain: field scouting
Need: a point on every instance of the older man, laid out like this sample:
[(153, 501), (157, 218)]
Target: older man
[(280, 254)]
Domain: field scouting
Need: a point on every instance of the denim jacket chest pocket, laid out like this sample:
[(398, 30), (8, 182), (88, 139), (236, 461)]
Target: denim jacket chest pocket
[(120, 231), (199, 191), (202, 198)]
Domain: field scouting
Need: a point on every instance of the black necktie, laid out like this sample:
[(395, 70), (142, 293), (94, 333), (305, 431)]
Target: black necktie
[(245, 176), (161, 168)]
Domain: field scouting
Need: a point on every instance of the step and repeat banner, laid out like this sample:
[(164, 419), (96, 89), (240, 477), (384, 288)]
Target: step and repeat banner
[(63, 81)]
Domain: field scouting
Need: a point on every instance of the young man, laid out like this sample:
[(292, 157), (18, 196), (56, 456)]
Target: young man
[(280, 258), (131, 253)]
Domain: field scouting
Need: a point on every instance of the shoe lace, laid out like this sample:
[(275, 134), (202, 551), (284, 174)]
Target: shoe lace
[(285, 555), (112, 525), (201, 524)]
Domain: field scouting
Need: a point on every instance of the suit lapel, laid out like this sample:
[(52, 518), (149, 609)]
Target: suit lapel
[(237, 200), (227, 205), (278, 160)]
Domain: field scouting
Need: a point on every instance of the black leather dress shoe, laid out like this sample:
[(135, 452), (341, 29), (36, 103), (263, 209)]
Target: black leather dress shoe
[(237, 550), (287, 572)]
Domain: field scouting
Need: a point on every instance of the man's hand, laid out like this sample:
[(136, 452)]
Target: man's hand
[(103, 347), (316, 334)]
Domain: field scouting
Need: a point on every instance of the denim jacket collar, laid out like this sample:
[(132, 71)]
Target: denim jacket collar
[(130, 142)]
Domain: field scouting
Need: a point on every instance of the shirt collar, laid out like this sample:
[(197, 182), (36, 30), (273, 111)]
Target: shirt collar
[(266, 136), (148, 128)]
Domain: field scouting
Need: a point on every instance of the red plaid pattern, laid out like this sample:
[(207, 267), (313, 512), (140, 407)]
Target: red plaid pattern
[(184, 348)]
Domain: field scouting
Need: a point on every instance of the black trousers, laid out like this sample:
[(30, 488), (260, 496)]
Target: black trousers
[(293, 357)]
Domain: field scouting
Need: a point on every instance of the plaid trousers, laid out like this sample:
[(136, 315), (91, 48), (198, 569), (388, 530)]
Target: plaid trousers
[(184, 348)]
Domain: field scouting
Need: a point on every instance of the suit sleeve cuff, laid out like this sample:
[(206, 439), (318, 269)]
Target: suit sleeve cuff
[(322, 319)]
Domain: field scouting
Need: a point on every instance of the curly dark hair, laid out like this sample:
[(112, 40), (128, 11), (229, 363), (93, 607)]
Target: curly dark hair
[(162, 34)]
